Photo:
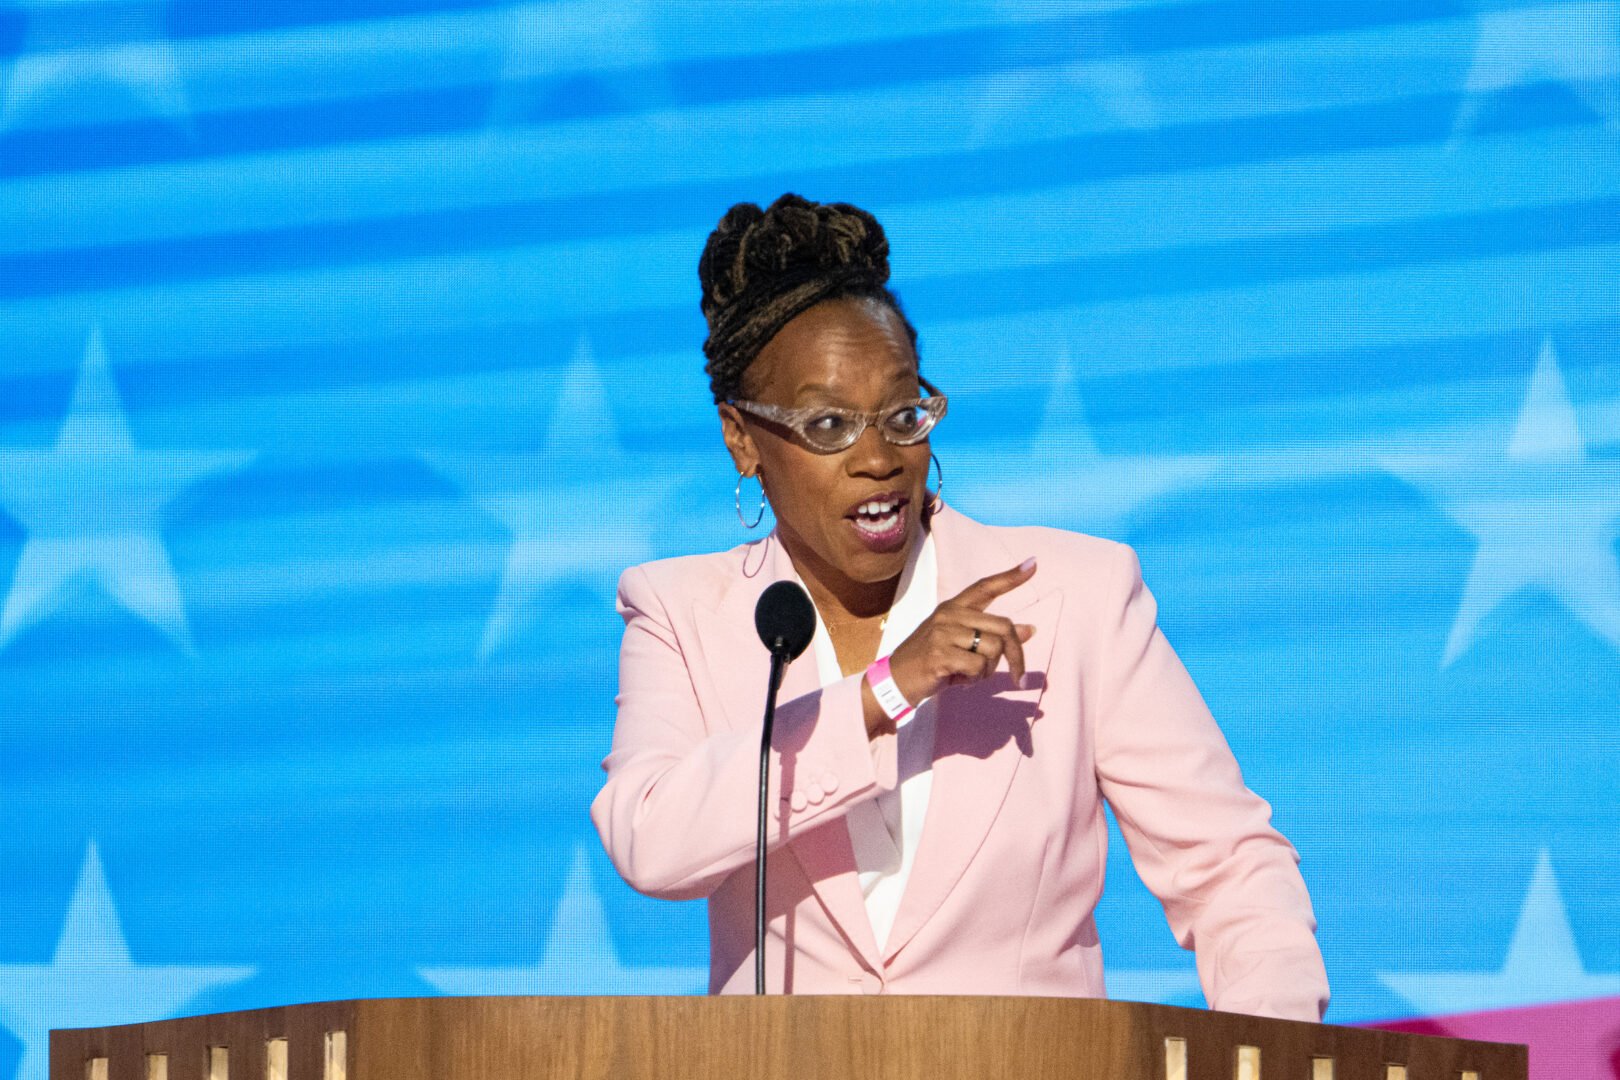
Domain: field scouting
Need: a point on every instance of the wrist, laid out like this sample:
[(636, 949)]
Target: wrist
[(889, 697)]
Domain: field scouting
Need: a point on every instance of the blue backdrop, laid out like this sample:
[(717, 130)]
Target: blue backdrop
[(349, 349)]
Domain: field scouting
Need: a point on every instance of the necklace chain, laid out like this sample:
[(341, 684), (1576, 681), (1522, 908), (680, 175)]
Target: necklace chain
[(883, 623)]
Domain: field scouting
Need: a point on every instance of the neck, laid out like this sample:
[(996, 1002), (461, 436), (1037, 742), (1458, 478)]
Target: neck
[(840, 598)]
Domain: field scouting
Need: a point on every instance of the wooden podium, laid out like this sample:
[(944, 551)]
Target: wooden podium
[(761, 1038)]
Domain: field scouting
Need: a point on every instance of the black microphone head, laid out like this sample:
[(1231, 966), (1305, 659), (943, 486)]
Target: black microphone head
[(785, 619)]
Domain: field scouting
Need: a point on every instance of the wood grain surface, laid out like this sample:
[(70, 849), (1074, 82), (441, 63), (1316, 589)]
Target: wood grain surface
[(748, 1038)]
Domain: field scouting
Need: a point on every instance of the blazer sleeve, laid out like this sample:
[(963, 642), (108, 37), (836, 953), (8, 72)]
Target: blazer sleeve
[(1199, 838), (679, 809)]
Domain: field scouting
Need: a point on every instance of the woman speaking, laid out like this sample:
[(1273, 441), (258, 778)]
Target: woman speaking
[(971, 698)]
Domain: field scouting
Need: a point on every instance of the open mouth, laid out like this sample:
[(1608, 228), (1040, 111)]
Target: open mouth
[(881, 520)]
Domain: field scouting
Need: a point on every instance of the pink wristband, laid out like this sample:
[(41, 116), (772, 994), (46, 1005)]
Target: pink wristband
[(888, 695)]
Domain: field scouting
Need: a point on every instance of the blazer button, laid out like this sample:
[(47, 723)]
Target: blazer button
[(829, 783), (871, 984), (815, 793), (798, 802)]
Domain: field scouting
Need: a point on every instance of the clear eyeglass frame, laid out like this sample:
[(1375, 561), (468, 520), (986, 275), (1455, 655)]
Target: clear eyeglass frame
[(892, 422)]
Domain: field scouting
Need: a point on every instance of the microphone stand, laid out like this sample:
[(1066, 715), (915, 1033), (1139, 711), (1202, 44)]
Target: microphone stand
[(779, 661)]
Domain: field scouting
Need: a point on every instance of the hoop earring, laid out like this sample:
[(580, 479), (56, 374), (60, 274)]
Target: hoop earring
[(936, 504), (757, 517)]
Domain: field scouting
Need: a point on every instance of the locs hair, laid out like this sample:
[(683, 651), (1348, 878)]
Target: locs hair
[(762, 268)]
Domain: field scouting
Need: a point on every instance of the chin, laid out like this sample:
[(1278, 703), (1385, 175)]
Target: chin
[(873, 569)]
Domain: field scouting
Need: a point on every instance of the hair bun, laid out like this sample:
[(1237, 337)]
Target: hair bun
[(758, 254), (761, 268)]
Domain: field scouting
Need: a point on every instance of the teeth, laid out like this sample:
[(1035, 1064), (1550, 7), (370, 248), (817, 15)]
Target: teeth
[(876, 509)]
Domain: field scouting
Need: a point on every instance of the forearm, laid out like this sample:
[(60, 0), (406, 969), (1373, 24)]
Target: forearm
[(1257, 952), (678, 814)]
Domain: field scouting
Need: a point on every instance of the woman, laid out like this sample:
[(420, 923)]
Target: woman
[(973, 694)]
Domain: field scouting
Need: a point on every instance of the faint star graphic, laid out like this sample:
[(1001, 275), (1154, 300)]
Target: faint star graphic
[(1576, 44), (90, 60), (91, 506), (577, 508), (1543, 964), (579, 956), (92, 981), (1061, 478), (1544, 516), (561, 59), (1109, 80)]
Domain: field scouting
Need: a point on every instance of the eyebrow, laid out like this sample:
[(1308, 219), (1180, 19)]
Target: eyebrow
[(821, 388)]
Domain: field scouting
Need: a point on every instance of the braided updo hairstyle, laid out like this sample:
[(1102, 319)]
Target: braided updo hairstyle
[(762, 268)]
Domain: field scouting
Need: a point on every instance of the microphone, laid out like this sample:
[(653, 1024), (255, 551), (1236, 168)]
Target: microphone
[(786, 621)]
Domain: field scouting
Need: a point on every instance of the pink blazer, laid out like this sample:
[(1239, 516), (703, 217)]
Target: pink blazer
[(1012, 854)]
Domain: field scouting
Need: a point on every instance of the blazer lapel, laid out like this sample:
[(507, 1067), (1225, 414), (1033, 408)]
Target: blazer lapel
[(981, 731), (726, 633)]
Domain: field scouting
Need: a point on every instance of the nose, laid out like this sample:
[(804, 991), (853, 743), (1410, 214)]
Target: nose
[(873, 456)]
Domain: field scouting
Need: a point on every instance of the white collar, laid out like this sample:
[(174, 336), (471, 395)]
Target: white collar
[(914, 600)]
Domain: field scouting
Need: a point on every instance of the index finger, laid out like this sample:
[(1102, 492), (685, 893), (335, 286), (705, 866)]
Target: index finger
[(980, 593)]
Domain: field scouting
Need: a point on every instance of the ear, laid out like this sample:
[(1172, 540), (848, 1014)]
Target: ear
[(744, 454)]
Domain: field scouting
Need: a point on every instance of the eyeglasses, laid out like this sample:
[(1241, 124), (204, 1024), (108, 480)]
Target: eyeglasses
[(827, 429)]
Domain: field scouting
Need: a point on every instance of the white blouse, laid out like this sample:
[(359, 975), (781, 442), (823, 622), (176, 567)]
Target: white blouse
[(884, 832)]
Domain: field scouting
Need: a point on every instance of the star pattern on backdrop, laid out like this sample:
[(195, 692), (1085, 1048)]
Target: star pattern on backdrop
[(92, 980), (574, 507), (92, 508), (1113, 84), (579, 956), (563, 54), (1543, 964), (1060, 478), (1543, 515), (73, 49), (1574, 44)]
